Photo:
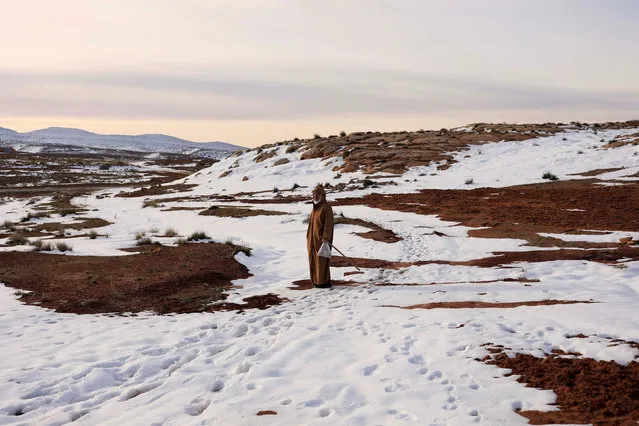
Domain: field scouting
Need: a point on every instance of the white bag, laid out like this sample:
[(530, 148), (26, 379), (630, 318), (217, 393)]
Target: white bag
[(325, 250)]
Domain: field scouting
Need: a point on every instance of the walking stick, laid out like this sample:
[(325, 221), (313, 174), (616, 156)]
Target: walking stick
[(340, 252)]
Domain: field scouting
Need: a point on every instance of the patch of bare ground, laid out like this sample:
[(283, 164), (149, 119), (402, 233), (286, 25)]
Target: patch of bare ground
[(521, 212), (395, 152), (266, 413), (276, 200), (186, 278), (607, 256), (157, 189), (588, 391), (239, 212), (596, 172), (554, 205), (471, 304), (85, 223), (503, 280), (376, 232), (306, 284), (623, 140)]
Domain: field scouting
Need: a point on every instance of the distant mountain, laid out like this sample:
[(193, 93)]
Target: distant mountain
[(43, 139)]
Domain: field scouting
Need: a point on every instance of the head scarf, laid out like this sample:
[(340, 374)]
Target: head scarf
[(319, 193)]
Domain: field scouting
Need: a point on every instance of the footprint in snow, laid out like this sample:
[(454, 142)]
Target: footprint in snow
[(416, 359), (197, 406), (435, 375), (251, 351), (242, 368), (241, 330), (370, 369), (217, 386), (324, 412)]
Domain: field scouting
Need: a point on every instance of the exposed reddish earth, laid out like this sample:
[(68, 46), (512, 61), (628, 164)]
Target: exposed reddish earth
[(395, 152), (157, 189), (186, 278), (588, 391), (483, 305), (376, 232), (610, 256), (238, 212), (548, 207)]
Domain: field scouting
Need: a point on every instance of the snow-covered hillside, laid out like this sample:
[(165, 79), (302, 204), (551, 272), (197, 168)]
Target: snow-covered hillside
[(351, 355), (39, 140)]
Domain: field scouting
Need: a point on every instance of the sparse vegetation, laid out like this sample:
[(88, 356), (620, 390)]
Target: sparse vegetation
[(244, 249), (105, 166), (93, 234), (144, 241), (291, 149), (37, 215), (181, 242), (9, 226), (170, 232), (150, 203), (63, 246), (140, 235), (240, 248), (198, 236), (40, 245), (342, 133), (17, 239), (275, 189), (294, 187), (67, 212), (316, 136), (469, 181), (549, 176)]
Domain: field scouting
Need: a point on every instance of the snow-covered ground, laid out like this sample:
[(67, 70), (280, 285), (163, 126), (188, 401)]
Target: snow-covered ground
[(339, 356)]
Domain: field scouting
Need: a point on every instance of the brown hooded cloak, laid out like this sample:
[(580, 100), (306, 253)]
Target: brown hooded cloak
[(320, 228)]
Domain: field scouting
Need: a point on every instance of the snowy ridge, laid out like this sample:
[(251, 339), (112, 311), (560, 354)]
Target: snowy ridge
[(82, 138), (495, 164)]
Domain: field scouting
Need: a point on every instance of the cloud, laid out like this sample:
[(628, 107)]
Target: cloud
[(281, 94)]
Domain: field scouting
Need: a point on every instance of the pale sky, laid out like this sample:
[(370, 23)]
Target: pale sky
[(258, 71)]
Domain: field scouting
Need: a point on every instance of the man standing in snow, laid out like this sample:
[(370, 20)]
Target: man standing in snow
[(320, 230)]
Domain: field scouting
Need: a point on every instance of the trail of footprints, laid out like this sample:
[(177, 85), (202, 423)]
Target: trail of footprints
[(404, 352), (129, 377)]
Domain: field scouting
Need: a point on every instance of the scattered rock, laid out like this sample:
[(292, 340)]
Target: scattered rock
[(281, 161)]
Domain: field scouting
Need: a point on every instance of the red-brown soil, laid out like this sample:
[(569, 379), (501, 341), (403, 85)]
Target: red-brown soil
[(266, 413), (588, 391), (157, 189), (395, 152), (596, 172), (376, 232), (609, 256), (239, 212), (544, 206), (187, 278), (483, 305)]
